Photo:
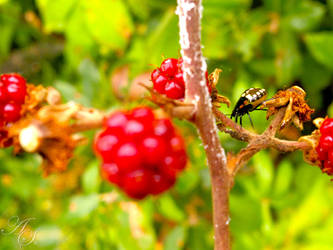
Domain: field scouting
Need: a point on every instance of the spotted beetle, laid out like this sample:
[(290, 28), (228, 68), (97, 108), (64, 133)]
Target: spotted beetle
[(249, 101)]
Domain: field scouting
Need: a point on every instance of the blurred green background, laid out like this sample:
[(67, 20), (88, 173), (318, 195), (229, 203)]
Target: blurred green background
[(92, 50)]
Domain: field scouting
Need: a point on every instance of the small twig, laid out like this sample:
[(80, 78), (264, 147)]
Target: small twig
[(256, 142)]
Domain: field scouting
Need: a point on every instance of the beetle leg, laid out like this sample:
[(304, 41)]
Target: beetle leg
[(250, 119), (236, 118), (240, 121)]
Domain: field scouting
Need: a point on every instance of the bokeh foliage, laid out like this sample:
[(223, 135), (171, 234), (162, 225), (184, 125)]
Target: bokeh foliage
[(278, 201)]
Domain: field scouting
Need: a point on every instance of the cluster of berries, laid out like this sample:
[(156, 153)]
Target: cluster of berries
[(13, 90), (168, 78), (325, 146), (140, 153)]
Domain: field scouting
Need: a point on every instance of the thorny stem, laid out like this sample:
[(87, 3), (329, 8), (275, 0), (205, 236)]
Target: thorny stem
[(194, 68)]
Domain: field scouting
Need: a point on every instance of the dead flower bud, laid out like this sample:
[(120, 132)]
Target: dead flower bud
[(30, 138), (217, 99), (52, 132), (297, 112)]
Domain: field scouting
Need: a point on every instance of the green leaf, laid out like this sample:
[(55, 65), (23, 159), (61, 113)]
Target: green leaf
[(187, 181), (82, 205), (175, 239), (314, 74), (109, 22), (283, 178), (47, 235), (79, 44), (264, 171), (55, 13), (330, 110), (9, 15), (262, 67), (225, 5), (168, 208), (267, 220), (314, 204), (306, 16), (288, 57), (320, 46), (164, 39), (90, 79), (91, 179), (330, 8)]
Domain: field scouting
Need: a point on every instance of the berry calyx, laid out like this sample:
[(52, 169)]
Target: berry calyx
[(133, 147), (168, 79)]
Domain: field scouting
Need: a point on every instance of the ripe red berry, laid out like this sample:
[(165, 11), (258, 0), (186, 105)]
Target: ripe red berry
[(326, 142), (12, 96), (169, 79), (177, 144), (325, 146), (179, 78), (140, 153), (330, 155), (12, 78), (174, 90), (153, 149), (11, 112), (327, 126), (3, 94), (159, 83), (128, 157), (160, 183), (137, 183), (111, 172), (169, 66), (106, 146), (322, 154), (163, 128), (143, 114), (172, 165), (16, 91), (134, 129), (116, 122), (155, 74)]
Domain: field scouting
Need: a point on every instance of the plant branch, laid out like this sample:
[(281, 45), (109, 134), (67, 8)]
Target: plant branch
[(194, 67), (256, 142)]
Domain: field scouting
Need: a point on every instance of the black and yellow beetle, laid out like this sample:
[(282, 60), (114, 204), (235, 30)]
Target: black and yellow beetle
[(249, 101)]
